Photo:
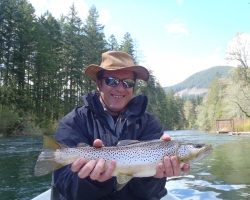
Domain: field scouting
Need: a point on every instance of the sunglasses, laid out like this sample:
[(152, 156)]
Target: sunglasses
[(113, 82)]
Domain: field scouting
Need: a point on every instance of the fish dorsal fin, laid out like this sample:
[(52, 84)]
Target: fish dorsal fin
[(82, 144), (49, 143), (122, 180), (127, 142)]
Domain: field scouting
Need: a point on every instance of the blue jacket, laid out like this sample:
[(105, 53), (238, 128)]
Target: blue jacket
[(90, 122)]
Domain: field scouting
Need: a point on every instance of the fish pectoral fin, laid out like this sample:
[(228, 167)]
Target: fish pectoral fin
[(122, 180), (120, 186), (127, 142)]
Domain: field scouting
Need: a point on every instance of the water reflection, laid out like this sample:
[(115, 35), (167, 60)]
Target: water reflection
[(222, 175)]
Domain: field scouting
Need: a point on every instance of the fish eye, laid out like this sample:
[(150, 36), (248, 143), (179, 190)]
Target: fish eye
[(199, 146)]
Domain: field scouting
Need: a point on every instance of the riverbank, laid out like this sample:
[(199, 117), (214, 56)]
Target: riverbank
[(239, 133)]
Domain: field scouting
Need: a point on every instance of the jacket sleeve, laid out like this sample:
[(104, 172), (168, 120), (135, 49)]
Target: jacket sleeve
[(71, 131), (149, 187)]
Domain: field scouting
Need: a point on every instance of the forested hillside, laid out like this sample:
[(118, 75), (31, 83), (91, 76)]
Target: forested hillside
[(42, 63), (227, 97), (201, 79)]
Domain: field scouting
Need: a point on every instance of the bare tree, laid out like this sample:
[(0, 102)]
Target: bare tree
[(238, 49)]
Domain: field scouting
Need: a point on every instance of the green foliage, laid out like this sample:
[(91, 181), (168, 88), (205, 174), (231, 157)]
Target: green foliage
[(113, 44), (127, 45), (225, 99), (49, 128), (213, 105), (13, 122), (245, 127), (9, 121), (175, 118), (190, 114), (238, 95), (72, 59), (156, 97), (44, 75), (42, 63), (229, 98), (94, 44), (27, 126)]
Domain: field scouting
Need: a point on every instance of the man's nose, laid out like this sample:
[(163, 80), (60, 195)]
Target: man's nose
[(120, 86)]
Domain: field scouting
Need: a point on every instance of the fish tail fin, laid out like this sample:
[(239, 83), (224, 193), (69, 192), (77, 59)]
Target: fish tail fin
[(46, 161)]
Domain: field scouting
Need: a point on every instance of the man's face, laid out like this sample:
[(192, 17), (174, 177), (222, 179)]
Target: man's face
[(115, 99)]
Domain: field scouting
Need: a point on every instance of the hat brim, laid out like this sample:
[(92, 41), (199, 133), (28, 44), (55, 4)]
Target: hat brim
[(142, 72)]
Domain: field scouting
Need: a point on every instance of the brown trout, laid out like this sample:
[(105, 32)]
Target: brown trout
[(133, 158)]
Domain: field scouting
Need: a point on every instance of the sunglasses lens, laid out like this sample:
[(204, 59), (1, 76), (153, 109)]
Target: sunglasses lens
[(111, 81), (128, 83)]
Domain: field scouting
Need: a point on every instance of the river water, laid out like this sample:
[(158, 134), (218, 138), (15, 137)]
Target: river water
[(225, 174)]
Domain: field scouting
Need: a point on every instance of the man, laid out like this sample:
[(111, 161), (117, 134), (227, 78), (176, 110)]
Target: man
[(110, 115)]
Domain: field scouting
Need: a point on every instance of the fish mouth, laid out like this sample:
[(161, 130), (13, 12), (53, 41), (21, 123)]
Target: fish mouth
[(204, 152)]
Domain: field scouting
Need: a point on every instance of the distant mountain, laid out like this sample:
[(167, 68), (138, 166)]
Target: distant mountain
[(198, 83)]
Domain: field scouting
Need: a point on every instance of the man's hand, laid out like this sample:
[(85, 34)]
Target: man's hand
[(93, 168), (170, 166)]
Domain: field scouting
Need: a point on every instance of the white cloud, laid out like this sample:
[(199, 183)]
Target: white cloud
[(104, 16), (59, 7), (177, 28), (171, 69)]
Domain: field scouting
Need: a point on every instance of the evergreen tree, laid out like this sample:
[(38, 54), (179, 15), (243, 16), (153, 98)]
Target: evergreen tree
[(189, 110), (127, 45), (72, 64), (138, 54), (180, 120), (213, 105), (18, 26), (112, 44), (94, 44), (42, 63), (8, 10), (176, 115), (45, 75), (156, 97), (171, 110)]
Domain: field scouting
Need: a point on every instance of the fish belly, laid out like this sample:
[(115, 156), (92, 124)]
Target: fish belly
[(136, 170)]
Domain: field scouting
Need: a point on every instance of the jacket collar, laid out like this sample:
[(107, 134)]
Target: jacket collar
[(135, 109)]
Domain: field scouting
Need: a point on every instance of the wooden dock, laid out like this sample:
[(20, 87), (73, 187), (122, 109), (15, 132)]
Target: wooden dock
[(226, 126), (239, 133)]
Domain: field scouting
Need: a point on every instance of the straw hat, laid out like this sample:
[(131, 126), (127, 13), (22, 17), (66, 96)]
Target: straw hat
[(117, 60)]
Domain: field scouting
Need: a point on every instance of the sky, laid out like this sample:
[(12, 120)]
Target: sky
[(176, 38)]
